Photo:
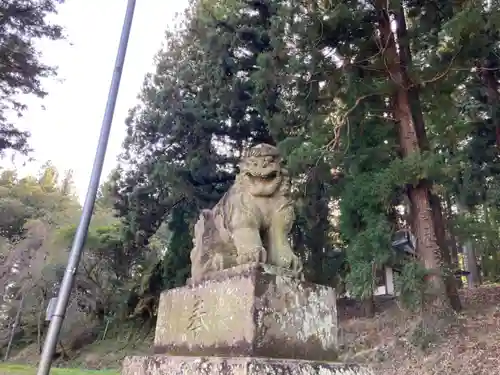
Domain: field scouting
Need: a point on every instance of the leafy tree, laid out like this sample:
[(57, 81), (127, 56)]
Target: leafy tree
[(176, 262), (38, 222), (387, 118), (67, 184), (22, 23), (48, 178), (181, 150)]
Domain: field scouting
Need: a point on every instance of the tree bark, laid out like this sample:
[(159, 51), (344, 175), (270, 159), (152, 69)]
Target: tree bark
[(449, 277), (411, 138), (419, 123), (487, 75), (368, 307), (470, 260), (491, 250), (316, 208), (14, 328), (451, 232), (452, 239)]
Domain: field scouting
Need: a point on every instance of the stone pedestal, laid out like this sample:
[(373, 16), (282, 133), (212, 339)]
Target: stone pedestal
[(249, 311), (252, 319)]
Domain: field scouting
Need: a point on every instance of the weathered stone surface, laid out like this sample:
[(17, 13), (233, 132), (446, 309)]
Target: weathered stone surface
[(251, 223), (250, 310), (163, 365), (240, 270)]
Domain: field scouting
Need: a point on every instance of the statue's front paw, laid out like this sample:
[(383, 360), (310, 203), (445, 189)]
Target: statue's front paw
[(257, 255), (217, 263), (291, 262), (296, 264)]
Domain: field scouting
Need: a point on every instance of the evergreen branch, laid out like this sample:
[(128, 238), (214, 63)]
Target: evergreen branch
[(332, 144), (439, 76)]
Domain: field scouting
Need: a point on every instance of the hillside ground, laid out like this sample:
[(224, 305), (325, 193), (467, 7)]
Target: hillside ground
[(393, 342)]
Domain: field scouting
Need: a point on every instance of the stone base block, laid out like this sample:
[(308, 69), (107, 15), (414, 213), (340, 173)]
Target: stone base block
[(249, 311), (163, 365)]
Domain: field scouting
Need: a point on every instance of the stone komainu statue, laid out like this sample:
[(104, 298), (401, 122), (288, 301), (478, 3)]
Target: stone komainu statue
[(251, 223)]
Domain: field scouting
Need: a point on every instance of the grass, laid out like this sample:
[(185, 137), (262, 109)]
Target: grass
[(15, 369)]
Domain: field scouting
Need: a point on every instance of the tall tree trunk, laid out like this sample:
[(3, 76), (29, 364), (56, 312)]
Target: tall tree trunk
[(489, 78), (487, 74), (470, 260), (411, 137), (317, 223), (451, 231), (449, 277), (453, 244), (14, 328), (490, 250), (317, 210), (405, 59)]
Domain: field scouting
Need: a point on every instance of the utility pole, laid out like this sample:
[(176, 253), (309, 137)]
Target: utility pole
[(88, 207)]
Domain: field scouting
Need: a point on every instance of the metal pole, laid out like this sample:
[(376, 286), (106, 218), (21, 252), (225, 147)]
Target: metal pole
[(88, 206)]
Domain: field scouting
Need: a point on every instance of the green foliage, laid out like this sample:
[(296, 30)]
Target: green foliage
[(31, 198), (411, 286), (314, 80), (424, 336), (176, 262), (32, 211), (184, 140), (23, 23), (38, 222)]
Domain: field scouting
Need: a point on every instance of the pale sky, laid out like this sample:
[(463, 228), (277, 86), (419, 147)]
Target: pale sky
[(66, 132)]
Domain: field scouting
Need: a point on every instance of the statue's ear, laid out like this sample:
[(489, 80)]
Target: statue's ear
[(241, 165)]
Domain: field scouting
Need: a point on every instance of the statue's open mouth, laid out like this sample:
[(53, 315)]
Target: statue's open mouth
[(263, 177)]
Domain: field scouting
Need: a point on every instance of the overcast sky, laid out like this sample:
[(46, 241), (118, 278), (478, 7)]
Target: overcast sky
[(66, 131)]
